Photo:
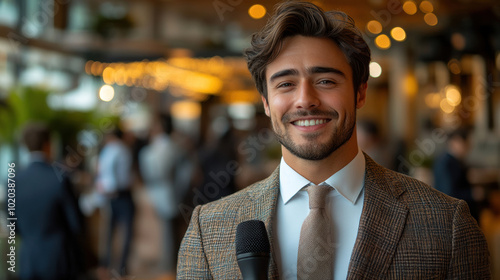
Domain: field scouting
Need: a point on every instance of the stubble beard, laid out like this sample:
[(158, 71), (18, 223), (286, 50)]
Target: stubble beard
[(314, 150)]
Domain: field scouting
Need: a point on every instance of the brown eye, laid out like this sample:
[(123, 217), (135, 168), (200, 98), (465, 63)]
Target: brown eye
[(326, 82), (282, 85)]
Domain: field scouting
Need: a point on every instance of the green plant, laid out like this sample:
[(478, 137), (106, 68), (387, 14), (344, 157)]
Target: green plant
[(25, 104)]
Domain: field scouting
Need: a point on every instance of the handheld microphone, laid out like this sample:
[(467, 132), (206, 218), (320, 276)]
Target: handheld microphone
[(252, 250)]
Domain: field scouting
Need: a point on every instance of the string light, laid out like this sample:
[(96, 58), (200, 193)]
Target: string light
[(190, 74), (375, 69), (431, 19), (398, 34), (374, 26), (257, 11), (410, 7), (426, 7), (106, 93), (453, 95), (446, 107), (383, 42)]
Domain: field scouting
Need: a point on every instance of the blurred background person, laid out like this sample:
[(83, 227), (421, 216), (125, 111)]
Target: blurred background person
[(220, 151), (48, 217), (115, 182), (370, 141), (450, 170), (157, 165)]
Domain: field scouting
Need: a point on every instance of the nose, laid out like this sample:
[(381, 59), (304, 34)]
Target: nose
[(307, 97)]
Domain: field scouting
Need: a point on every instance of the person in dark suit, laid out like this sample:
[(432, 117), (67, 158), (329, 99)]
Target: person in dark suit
[(49, 221), (311, 68), (450, 170)]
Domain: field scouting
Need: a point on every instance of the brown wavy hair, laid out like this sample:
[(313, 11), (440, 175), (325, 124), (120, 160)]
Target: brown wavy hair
[(303, 18)]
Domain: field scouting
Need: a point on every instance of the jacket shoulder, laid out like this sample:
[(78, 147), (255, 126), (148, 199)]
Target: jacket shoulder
[(419, 191), (231, 203), (409, 190)]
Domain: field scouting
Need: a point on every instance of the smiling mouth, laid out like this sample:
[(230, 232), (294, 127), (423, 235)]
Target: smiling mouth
[(310, 122)]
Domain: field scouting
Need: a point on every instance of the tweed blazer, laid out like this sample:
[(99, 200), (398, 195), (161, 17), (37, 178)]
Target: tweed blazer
[(408, 230)]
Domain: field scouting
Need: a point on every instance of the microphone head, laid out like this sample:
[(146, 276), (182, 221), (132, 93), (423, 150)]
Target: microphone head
[(251, 237)]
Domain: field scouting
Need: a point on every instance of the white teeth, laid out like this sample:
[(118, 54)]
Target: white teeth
[(309, 122)]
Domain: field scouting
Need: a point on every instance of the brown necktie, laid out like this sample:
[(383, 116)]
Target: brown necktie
[(315, 258)]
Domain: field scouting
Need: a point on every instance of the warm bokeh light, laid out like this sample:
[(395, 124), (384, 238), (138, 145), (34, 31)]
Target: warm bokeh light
[(193, 75), (94, 68), (454, 66), (375, 69), (186, 110), (398, 34), (410, 7), (240, 96), (411, 85), (431, 19), (88, 67), (374, 26), (106, 93), (453, 95), (383, 42), (108, 75), (426, 6), (458, 41), (446, 106), (257, 11), (432, 100)]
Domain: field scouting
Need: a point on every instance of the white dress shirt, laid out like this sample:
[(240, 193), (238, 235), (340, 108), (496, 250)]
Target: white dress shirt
[(344, 203), (115, 163), (157, 163)]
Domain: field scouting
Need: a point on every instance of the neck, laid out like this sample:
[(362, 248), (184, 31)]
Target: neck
[(318, 171)]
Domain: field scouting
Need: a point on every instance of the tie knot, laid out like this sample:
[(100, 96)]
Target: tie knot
[(317, 195)]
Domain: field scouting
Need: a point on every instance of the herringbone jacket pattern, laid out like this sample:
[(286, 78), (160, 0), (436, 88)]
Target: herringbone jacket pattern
[(408, 230)]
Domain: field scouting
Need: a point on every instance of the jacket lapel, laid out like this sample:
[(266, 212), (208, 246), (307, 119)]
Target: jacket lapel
[(381, 226), (382, 222), (262, 206)]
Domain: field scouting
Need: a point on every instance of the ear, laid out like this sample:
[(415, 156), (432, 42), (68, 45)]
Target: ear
[(266, 106), (361, 96)]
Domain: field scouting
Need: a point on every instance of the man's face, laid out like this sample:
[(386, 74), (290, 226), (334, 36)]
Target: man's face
[(311, 99)]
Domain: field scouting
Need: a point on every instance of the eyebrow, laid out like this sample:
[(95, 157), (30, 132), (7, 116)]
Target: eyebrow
[(282, 73), (319, 69), (312, 70)]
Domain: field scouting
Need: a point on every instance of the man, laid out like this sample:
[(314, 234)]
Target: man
[(371, 142), (114, 180), (47, 214), (311, 69)]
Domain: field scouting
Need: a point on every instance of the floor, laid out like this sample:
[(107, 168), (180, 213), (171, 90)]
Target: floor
[(145, 252)]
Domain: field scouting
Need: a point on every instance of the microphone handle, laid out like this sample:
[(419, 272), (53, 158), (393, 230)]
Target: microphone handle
[(254, 268)]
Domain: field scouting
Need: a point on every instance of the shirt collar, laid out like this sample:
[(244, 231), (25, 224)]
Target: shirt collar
[(348, 181)]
